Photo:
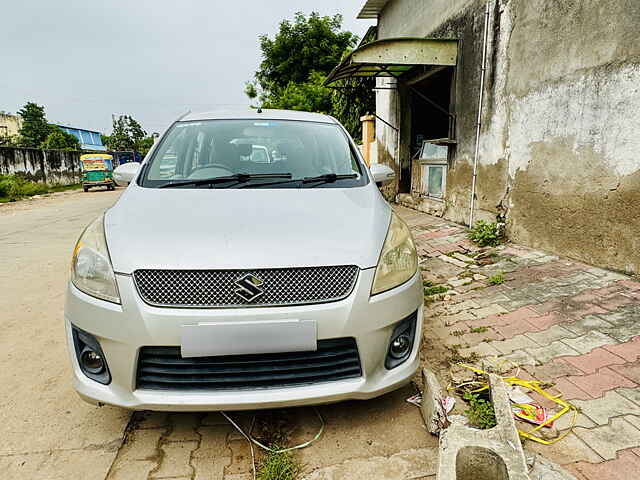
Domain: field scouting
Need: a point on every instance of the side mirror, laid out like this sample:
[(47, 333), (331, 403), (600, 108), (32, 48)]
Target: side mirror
[(382, 173), (126, 172)]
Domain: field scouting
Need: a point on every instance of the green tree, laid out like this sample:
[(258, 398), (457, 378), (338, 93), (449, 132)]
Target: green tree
[(127, 134), (58, 139), (144, 145), (295, 64), (34, 129), (308, 96), (308, 44)]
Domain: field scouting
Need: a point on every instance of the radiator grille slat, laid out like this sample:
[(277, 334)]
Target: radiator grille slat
[(219, 288), (162, 368)]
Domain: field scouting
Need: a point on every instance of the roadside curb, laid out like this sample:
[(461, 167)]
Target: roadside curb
[(494, 454)]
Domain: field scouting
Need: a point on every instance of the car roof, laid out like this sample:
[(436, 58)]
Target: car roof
[(252, 114)]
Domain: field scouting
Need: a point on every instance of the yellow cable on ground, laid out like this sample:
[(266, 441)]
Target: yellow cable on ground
[(534, 385)]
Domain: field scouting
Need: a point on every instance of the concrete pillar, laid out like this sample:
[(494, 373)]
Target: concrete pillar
[(368, 136)]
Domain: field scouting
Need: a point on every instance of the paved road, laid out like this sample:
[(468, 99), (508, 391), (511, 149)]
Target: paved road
[(48, 433)]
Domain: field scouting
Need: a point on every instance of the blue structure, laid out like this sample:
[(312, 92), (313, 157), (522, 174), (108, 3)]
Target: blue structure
[(89, 139)]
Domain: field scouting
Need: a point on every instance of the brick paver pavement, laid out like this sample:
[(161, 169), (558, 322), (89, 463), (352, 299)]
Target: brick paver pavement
[(555, 320)]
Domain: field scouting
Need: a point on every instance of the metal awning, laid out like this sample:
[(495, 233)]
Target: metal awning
[(372, 8), (392, 57)]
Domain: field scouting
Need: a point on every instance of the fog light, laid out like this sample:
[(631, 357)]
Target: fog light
[(92, 361), (400, 346), (401, 341), (90, 356)]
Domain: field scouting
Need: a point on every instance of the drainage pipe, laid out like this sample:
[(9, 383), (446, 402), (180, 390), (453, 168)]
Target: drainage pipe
[(479, 122)]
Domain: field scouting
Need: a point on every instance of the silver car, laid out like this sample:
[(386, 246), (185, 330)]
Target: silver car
[(228, 284)]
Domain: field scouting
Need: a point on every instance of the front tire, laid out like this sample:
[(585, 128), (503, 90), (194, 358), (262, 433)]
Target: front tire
[(86, 189)]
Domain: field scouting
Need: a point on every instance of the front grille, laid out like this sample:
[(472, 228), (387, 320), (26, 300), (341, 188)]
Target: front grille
[(162, 368), (220, 288)]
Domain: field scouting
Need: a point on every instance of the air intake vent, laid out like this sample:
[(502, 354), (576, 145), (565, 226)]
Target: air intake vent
[(162, 368)]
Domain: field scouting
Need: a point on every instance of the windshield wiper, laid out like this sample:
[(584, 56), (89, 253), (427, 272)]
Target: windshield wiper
[(328, 178), (320, 179), (238, 177)]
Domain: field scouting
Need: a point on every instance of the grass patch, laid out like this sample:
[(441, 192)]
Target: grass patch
[(485, 234), (435, 290), (273, 428), (456, 357), (64, 188), (427, 283), (279, 466), (479, 329), (15, 187), (480, 412), (496, 279)]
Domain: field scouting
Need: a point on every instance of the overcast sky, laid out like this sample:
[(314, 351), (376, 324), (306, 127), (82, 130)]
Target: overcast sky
[(153, 59)]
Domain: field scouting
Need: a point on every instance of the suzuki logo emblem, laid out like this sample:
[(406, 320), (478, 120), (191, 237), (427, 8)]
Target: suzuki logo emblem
[(249, 287)]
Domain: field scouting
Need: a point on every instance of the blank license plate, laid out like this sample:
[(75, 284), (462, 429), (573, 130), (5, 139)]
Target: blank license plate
[(237, 338)]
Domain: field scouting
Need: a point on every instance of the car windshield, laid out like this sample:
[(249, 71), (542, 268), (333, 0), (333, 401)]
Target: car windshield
[(295, 150)]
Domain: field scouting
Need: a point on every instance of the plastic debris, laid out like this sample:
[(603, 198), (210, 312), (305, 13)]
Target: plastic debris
[(532, 413), (415, 399), (448, 403), (516, 395), (547, 420)]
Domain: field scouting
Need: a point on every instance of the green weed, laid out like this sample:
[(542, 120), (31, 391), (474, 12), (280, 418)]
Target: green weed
[(478, 329), (14, 187), (496, 279), (456, 357), (481, 414), (485, 234), (279, 466), (435, 290)]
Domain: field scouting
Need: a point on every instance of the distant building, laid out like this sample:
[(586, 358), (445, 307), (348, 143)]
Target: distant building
[(9, 124), (89, 139)]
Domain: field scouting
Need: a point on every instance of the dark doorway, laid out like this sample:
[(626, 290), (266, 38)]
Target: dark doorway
[(429, 122)]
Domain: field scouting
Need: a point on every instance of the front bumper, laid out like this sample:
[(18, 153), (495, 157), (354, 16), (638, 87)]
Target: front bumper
[(97, 183), (123, 329)]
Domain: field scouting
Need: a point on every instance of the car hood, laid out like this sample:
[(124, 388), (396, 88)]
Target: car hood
[(246, 228)]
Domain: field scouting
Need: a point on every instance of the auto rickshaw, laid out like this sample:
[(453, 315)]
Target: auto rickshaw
[(97, 170)]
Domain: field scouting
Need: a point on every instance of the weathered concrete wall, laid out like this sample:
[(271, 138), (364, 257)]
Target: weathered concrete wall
[(574, 118), (55, 167), (412, 18), (559, 151)]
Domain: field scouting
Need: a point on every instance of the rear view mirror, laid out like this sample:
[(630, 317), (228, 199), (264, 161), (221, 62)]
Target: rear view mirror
[(382, 173), (126, 172)]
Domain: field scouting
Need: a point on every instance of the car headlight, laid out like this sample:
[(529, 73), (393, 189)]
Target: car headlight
[(398, 260), (91, 270)]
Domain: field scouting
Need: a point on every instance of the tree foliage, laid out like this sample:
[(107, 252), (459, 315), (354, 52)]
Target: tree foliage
[(295, 64), (308, 44), (58, 139), (310, 96), (127, 134), (34, 129)]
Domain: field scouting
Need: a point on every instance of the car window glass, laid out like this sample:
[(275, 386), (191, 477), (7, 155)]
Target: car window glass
[(212, 148)]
